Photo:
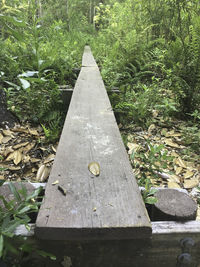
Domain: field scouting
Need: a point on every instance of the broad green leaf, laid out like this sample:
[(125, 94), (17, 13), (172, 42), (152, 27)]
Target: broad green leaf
[(14, 191)]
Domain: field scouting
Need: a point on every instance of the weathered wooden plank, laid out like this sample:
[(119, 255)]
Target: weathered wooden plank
[(88, 59), (105, 207)]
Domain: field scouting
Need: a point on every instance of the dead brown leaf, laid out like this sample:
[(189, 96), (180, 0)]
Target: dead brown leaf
[(20, 145), (170, 143), (49, 158), (42, 173), (191, 183)]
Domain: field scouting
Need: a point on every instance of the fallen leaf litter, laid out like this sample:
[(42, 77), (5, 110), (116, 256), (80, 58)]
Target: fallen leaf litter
[(24, 154)]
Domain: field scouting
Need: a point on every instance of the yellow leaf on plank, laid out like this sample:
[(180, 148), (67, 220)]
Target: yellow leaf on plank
[(42, 173), (17, 157), (188, 174), (169, 142), (173, 185), (181, 163), (94, 168), (178, 170), (191, 183), (56, 182)]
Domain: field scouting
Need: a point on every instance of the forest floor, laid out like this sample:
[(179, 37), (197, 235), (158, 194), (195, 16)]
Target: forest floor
[(158, 153)]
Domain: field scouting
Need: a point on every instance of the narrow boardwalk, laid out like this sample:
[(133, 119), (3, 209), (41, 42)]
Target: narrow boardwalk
[(108, 206)]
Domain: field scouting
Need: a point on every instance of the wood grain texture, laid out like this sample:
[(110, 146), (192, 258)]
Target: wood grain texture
[(109, 206), (173, 205)]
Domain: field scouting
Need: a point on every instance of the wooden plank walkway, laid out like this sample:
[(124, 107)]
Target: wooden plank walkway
[(108, 206)]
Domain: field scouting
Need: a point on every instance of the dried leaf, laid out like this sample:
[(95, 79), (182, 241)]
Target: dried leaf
[(173, 185), (188, 174), (2, 177), (1, 137), (27, 148), (42, 173), (6, 139), (94, 168), (174, 154), (181, 163), (7, 151), (34, 160), (26, 158), (169, 142), (20, 130), (190, 183), (49, 158), (17, 157), (14, 168), (10, 157), (132, 147), (174, 178), (33, 131), (20, 145), (178, 170), (54, 149), (8, 133), (151, 128), (56, 182)]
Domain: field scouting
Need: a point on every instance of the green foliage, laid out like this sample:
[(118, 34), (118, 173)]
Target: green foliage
[(150, 161), (191, 137), (34, 60), (152, 44), (148, 193), (12, 214)]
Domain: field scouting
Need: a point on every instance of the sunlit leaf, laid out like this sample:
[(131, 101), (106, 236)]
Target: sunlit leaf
[(42, 173), (191, 183), (17, 157), (169, 142), (94, 168), (188, 174), (25, 83)]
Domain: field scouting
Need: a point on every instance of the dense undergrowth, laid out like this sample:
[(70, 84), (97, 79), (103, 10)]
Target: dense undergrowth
[(149, 50)]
